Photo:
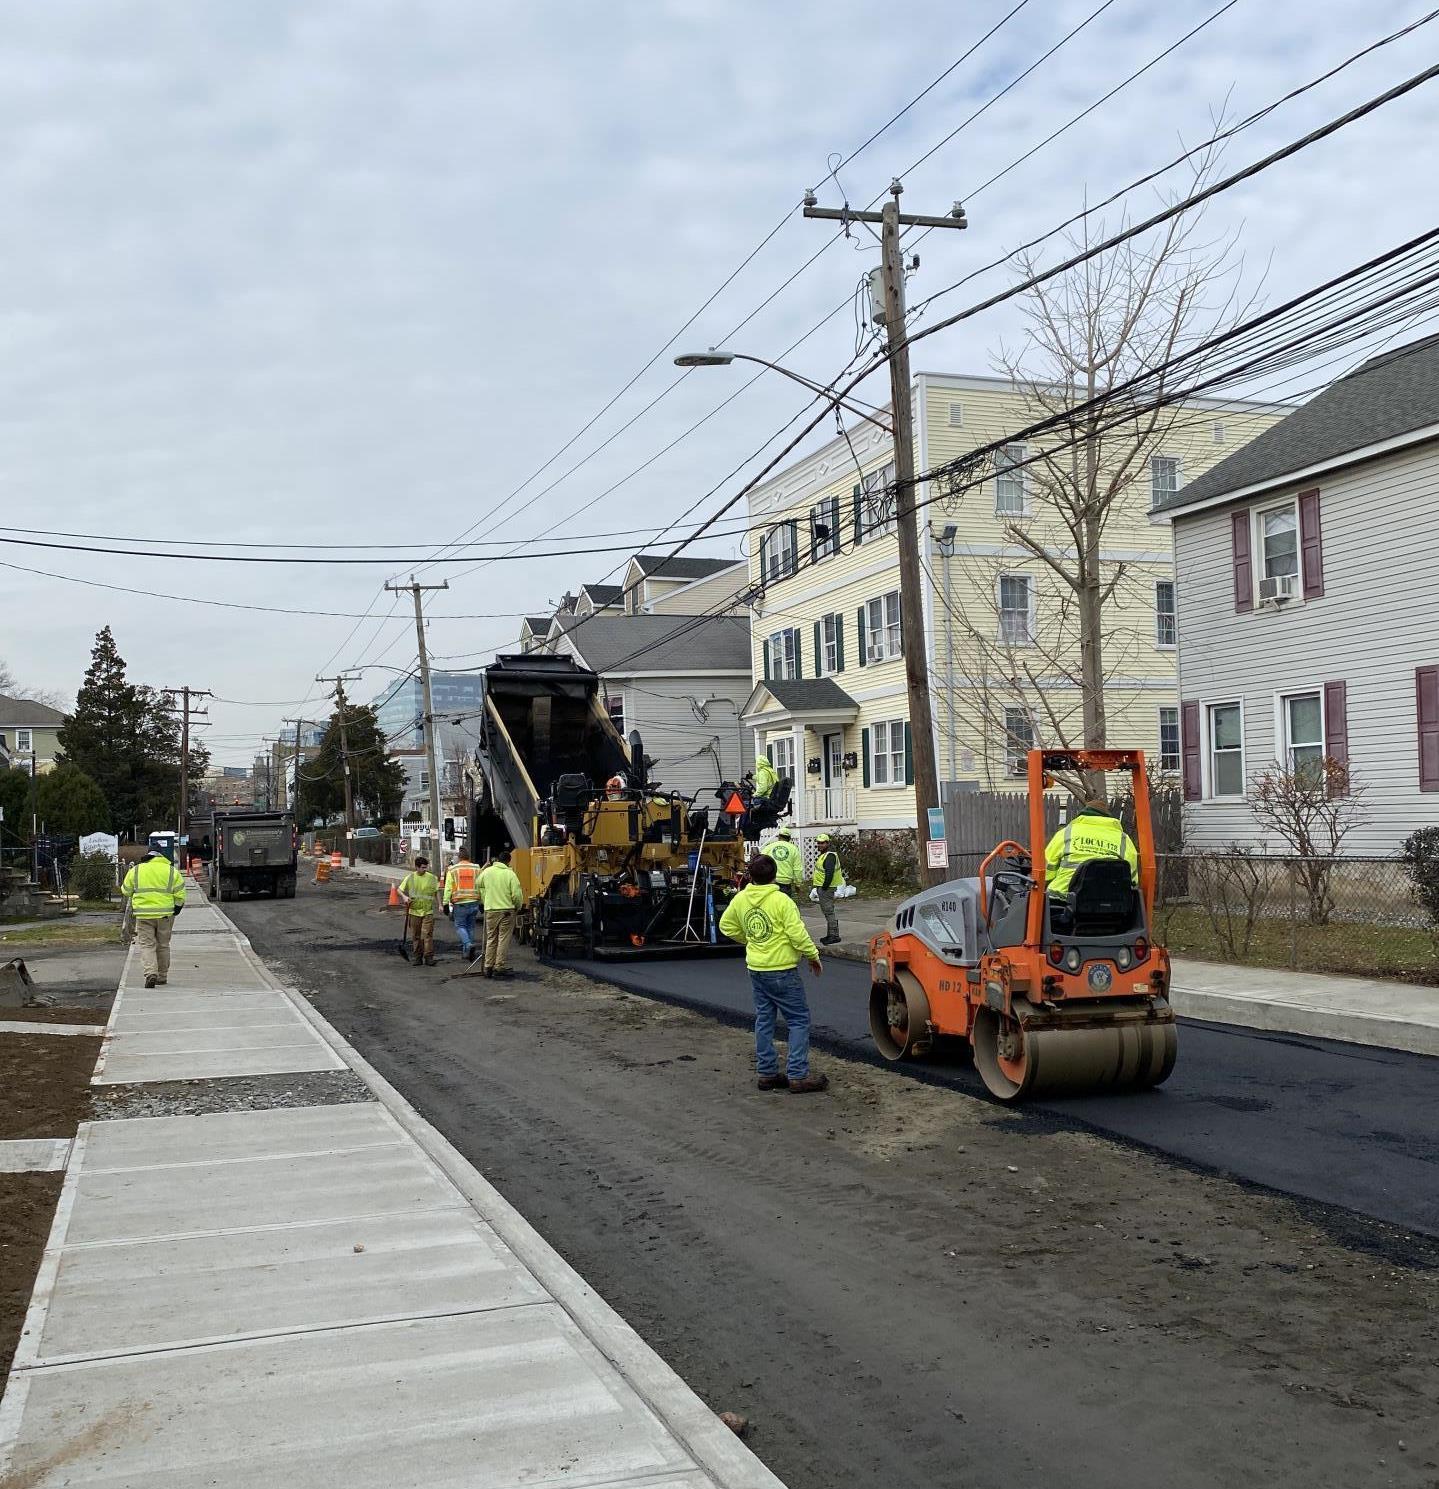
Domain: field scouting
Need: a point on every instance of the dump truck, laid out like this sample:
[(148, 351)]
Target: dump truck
[(1054, 992), (254, 853), (611, 864)]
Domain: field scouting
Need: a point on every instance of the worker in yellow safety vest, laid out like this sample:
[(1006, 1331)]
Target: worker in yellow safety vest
[(1093, 832), (828, 877), (420, 890), (462, 901), (788, 862), (504, 897), (155, 889), (766, 778)]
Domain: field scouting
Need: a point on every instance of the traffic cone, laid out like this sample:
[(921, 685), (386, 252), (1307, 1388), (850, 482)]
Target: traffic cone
[(394, 898)]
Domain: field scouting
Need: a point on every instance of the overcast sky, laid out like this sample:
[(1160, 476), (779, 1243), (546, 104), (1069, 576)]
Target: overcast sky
[(351, 270)]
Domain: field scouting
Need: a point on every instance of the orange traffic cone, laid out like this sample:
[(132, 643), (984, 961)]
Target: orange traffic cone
[(394, 897)]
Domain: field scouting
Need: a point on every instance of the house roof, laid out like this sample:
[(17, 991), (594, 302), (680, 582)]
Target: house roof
[(539, 624), (1391, 395), (652, 564), (25, 711), (801, 695), (603, 594), (621, 644)]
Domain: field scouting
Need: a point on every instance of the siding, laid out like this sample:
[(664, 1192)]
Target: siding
[(689, 752), (699, 597), (1376, 622)]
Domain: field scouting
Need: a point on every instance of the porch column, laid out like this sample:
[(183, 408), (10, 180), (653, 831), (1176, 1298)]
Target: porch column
[(801, 778)]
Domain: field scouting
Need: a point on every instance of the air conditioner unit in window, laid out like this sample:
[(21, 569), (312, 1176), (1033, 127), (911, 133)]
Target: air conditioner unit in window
[(1280, 587), (875, 654)]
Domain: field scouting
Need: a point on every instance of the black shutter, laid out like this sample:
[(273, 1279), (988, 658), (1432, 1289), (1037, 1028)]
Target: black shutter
[(864, 753), (908, 755), (858, 515), (838, 641), (818, 652), (766, 662), (861, 641)]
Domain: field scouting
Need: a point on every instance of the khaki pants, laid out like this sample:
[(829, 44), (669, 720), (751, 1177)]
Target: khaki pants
[(498, 926), (422, 934), (153, 939)]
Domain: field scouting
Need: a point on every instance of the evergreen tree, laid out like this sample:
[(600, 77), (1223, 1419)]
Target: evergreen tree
[(15, 802), (378, 779), (68, 801)]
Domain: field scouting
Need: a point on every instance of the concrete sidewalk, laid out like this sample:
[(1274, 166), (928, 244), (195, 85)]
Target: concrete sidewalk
[(315, 1294)]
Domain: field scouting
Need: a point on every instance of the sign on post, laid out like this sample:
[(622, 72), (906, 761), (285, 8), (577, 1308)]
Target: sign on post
[(938, 852), (936, 823)]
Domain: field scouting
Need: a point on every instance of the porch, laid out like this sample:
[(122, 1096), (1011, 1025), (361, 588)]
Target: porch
[(807, 728)]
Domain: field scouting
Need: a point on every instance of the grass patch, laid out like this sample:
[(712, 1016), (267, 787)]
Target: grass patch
[(1356, 949), (63, 933)]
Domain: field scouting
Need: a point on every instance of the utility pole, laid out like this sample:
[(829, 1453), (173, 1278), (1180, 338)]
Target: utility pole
[(911, 575), (186, 714), (431, 754), (299, 755), (339, 683)]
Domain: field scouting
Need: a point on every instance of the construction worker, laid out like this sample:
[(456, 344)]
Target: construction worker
[(462, 901), (765, 921), (503, 897), (1093, 832), (766, 778), (155, 892), (420, 891), (828, 877), (788, 862)]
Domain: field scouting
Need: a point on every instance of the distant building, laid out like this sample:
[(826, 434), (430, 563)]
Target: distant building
[(26, 728), (400, 708)]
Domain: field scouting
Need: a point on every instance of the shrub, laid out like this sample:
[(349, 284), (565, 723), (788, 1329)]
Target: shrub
[(880, 864), (92, 876), (1420, 854)]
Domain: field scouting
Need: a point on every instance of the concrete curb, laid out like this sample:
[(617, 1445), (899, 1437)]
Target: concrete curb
[(1349, 1026), (711, 1444)]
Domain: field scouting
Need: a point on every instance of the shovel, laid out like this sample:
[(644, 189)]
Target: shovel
[(402, 945)]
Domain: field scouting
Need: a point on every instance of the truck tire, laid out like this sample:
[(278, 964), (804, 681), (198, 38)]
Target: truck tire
[(287, 887), (227, 892)]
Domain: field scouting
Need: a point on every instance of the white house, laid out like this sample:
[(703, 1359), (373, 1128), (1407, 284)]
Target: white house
[(1308, 605)]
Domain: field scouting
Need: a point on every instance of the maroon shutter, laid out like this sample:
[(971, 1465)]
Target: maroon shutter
[(1189, 751), (1426, 685), (1336, 735), (1243, 568), (1311, 545)]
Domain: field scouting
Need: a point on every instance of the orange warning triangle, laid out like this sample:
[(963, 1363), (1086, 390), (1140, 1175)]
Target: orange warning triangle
[(734, 806)]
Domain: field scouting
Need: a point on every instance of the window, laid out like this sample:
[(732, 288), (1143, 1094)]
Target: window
[(1304, 735), (956, 416), (1216, 433), (1009, 493), (1226, 749), (615, 707), (1163, 477), (1169, 758), (784, 654), (824, 528), (424, 780), (781, 756), (1018, 741), (777, 555), (1279, 541), (883, 635), (22, 742), (1166, 622), (829, 644), (876, 511), (886, 758), (1016, 609)]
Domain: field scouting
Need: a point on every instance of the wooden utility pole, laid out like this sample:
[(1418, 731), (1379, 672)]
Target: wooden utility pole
[(186, 714), (911, 574), (431, 754), (339, 683), (299, 755)]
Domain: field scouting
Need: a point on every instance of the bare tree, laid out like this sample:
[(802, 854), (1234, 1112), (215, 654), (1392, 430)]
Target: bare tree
[(1312, 807), (1121, 315)]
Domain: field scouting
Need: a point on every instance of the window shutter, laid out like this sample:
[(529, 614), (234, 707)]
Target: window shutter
[(766, 662), (1243, 566), (818, 652), (1311, 545), (839, 641), (858, 516), (794, 547), (1336, 734), (861, 639), (864, 753), (1426, 684), (1189, 748), (908, 755), (798, 652)]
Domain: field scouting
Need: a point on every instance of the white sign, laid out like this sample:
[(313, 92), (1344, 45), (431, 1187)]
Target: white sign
[(101, 842), (938, 853)]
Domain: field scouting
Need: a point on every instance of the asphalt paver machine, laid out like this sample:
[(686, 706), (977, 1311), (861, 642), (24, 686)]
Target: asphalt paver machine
[(1056, 993), (611, 864)]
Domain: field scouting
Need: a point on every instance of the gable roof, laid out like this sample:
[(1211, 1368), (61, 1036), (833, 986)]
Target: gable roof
[(539, 624), (603, 594), (23, 711), (625, 644), (802, 695), (656, 564), (1390, 396)]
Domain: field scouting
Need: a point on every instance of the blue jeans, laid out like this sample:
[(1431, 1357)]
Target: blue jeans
[(780, 993), (464, 916)]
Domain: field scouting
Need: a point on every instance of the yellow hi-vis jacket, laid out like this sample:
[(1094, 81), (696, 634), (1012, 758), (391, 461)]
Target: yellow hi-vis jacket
[(1089, 835), (421, 889), (788, 861), (500, 888), (155, 888), (827, 872), (763, 918), (462, 884), (766, 777)]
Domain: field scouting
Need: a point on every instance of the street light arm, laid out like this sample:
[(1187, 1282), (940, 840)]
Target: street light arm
[(814, 387)]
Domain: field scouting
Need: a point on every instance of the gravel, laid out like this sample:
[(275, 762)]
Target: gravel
[(240, 1093)]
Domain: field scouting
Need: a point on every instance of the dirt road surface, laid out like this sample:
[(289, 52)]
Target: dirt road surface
[(898, 1284)]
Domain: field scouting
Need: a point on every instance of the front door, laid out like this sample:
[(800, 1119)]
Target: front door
[(833, 755)]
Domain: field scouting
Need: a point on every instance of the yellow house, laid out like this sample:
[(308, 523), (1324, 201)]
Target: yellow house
[(830, 705)]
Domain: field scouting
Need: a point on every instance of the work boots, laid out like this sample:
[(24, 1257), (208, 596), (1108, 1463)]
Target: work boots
[(777, 1082), (809, 1083)]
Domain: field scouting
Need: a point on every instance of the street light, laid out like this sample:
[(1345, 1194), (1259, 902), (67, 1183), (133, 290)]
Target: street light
[(716, 358)]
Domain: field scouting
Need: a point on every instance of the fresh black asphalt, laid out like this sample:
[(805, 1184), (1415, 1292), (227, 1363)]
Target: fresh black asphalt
[(1346, 1125)]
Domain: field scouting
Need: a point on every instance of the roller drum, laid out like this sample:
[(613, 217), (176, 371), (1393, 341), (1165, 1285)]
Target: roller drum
[(1017, 1062)]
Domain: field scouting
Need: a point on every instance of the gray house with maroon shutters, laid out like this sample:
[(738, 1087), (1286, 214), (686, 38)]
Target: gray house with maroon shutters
[(1308, 606)]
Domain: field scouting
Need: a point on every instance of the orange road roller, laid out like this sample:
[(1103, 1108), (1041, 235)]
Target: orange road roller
[(1058, 993)]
